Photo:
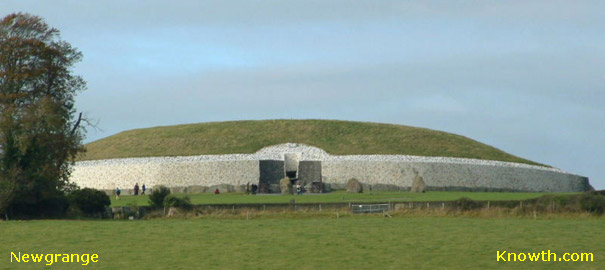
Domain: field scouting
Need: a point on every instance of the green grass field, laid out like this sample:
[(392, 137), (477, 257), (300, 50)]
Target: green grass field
[(335, 137), (350, 242), (336, 197)]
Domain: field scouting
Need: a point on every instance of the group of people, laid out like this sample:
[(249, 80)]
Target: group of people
[(136, 190), (299, 189), (251, 189)]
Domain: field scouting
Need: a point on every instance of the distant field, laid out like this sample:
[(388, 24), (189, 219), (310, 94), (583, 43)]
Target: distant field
[(350, 242), (335, 197), (335, 137)]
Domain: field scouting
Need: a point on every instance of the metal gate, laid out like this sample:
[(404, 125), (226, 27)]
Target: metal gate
[(369, 208)]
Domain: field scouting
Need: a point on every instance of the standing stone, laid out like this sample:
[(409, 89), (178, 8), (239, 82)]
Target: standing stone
[(418, 185), (271, 171), (285, 185), (353, 186), (309, 171)]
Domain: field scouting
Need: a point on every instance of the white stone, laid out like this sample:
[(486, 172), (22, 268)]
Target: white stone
[(397, 170)]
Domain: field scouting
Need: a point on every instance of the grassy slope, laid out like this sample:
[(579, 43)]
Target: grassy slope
[(336, 197), (351, 242), (336, 137)]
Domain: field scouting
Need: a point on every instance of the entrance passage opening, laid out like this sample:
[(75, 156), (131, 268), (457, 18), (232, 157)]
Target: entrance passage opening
[(291, 174), (291, 165)]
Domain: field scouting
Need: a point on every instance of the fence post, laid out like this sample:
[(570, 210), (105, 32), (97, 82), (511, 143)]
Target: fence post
[(442, 205), (553, 206), (487, 205)]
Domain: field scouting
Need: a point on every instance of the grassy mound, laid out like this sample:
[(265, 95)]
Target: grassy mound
[(335, 137)]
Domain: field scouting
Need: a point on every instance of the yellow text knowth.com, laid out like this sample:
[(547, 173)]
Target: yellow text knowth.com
[(544, 256)]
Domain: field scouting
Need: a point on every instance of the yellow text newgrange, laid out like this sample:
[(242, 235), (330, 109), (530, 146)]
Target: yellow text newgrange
[(49, 259)]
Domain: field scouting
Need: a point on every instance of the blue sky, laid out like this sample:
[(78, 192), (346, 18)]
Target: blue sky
[(527, 77)]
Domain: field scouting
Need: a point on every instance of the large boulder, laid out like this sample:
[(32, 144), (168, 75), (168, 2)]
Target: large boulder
[(353, 186), (285, 186), (173, 211), (418, 184), (317, 187)]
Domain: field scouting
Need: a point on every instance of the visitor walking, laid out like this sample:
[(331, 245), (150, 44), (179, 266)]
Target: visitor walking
[(136, 189), (143, 189), (118, 191)]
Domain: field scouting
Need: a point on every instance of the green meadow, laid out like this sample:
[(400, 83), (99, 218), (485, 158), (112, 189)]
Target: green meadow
[(307, 242), (335, 197)]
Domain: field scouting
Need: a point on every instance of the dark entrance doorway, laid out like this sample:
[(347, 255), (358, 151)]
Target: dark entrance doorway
[(291, 174)]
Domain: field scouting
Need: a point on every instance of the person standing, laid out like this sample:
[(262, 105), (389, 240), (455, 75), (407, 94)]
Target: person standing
[(118, 191), (136, 189), (143, 189)]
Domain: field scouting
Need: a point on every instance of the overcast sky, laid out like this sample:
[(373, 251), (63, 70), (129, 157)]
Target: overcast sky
[(527, 77)]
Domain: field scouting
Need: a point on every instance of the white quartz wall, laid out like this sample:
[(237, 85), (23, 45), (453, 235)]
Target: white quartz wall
[(398, 170), (437, 174), (124, 173)]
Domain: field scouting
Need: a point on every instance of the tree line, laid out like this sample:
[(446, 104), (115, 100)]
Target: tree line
[(41, 132)]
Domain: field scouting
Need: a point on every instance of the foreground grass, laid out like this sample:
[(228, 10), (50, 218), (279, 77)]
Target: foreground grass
[(335, 197), (350, 242), (336, 137)]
